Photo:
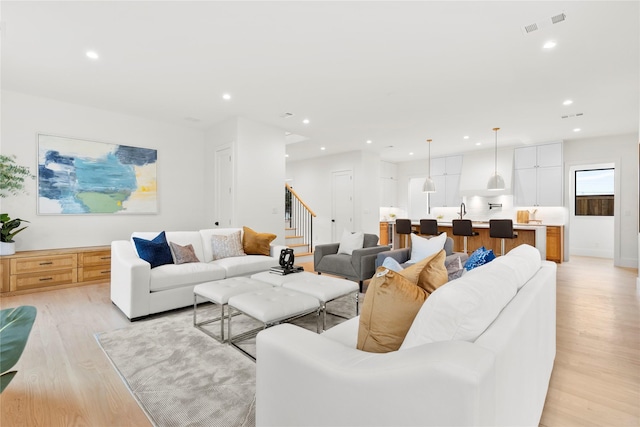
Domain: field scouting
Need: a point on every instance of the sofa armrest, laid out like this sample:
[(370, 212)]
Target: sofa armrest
[(364, 260), (446, 383), (274, 250), (321, 250), (130, 280), (400, 255)]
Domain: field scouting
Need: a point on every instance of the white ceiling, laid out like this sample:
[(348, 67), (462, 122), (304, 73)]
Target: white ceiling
[(393, 72)]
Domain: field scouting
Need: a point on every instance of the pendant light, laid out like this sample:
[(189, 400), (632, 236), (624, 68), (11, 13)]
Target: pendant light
[(496, 182), (429, 186)]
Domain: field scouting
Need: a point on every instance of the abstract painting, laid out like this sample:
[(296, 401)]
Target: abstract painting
[(76, 176)]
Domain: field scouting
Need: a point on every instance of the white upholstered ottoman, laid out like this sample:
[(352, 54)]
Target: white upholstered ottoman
[(270, 307), (324, 288), (219, 292)]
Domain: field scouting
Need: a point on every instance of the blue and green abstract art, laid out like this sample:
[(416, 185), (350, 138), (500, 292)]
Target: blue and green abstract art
[(76, 176)]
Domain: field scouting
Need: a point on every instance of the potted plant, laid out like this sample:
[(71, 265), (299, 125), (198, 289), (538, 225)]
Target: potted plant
[(15, 326), (12, 181)]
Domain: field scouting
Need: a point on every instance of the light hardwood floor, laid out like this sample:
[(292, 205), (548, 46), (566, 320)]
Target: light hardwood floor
[(65, 379)]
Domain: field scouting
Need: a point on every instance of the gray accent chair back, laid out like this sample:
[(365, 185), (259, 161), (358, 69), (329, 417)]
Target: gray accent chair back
[(359, 266)]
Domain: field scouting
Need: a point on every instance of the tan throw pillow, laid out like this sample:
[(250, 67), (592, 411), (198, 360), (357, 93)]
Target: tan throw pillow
[(183, 254), (225, 246), (255, 243), (434, 274), (390, 305)]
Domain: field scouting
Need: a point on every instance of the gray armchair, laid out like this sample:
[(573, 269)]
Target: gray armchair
[(359, 266)]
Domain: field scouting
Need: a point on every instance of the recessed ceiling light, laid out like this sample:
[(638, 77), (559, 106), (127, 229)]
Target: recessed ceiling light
[(550, 44), (577, 130), (92, 54), (226, 96), (466, 137), (478, 143), (567, 102), (322, 148), (411, 153), (286, 155), (369, 141), (305, 121)]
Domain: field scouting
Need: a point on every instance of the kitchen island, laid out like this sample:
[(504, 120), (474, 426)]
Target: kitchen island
[(531, 234)]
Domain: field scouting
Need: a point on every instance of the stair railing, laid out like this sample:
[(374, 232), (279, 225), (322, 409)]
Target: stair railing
[(298, 215)]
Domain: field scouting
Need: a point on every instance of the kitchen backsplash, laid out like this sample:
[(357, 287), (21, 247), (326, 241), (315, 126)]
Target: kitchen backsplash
[(478, 209)]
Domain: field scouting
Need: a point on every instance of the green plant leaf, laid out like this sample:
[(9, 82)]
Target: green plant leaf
[(15, 326), (5, 379)]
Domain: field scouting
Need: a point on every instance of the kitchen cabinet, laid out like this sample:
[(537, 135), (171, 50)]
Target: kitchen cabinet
[(388, 184), (445, 172), (555, 243), (538, 175), (29, 271)]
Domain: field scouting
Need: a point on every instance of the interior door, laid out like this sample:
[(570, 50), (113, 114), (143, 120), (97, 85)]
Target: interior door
[(342, 203), (224, 194)]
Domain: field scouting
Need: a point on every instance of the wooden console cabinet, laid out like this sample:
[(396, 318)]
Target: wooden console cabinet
[(31, 271), (555, 243)]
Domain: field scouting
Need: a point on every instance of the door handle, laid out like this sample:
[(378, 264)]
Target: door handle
[(333, 220), (216, 223)]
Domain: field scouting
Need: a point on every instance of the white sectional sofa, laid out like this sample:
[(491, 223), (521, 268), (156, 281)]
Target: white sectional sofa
[(138, 290), (460, 368)]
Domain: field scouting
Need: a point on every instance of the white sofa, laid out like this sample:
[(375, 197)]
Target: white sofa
[(499, 378), (138, 290)]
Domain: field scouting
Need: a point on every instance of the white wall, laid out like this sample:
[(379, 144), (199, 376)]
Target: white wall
[(312, 181), (259, 166), (180, 171), (622, 150)]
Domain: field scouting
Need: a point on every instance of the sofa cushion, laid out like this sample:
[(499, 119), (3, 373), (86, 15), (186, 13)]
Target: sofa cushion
[(205, 237), (155, 251), (227, 246), (183, 254), (389, 307), (454, 266), (337, 263), (422, 247), (245, 265), (479, 257), (350, 241), (175, 276), (434, 273), (183, 238), (464, 308), (254, 243)]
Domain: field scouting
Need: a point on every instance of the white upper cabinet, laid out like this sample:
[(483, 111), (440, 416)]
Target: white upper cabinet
[(388, 184), (445, 172), (538, 175)]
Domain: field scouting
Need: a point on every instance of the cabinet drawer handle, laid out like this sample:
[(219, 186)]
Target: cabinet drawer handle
[(44, 279), (105, 272), (46, 263), (106, 257)]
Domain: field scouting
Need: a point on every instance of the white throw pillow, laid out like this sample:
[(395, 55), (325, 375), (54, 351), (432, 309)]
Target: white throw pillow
[(392, 264), (422, 247), (464, 308), (350, 241)]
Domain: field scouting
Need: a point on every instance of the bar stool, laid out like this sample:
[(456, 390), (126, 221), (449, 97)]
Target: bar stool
[(463, 227), (429, 227), (403, 227), (501, 229)]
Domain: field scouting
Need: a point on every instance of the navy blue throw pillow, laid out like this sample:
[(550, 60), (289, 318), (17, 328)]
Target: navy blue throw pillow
[(479, 257), (156, 252)]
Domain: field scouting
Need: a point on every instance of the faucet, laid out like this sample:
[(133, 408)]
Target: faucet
[(463, 210)]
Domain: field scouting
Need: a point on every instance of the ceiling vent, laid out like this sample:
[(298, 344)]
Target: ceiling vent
[(555, 19), (286, 115), (568, 116)]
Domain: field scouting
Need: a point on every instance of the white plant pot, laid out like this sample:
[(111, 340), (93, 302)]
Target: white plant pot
[(7, 248)]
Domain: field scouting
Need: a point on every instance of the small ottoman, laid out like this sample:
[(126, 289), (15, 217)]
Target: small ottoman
[(270, 307), (219, 292), (324, 288)]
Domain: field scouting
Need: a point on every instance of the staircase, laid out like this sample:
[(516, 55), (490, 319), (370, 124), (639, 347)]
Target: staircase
[(298, 226)]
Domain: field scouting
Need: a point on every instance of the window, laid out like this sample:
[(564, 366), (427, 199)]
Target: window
[(595, 192)]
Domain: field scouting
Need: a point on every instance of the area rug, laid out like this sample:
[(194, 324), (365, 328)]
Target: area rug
[(182, 377)]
